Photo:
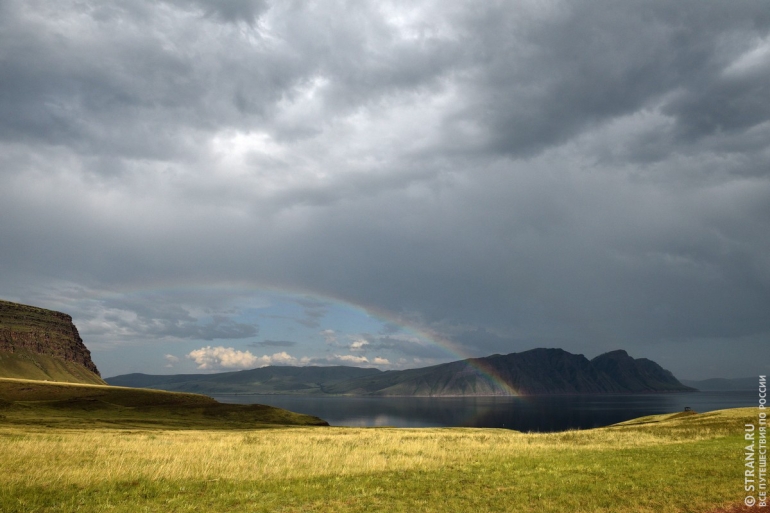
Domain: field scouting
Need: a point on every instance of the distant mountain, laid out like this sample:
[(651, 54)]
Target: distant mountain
[(265, 380), (636, 375), (534, 372), (43, 345), (722, 384)]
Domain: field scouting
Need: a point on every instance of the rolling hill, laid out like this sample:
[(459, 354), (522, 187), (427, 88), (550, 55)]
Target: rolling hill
[(265, 380)]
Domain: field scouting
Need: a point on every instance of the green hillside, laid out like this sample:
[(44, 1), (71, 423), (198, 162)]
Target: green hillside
[(28, 365), (25, 402)]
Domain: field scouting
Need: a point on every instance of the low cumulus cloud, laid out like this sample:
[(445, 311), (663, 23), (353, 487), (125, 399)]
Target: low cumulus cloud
[(213, 358), (359, 344), (347, 359)]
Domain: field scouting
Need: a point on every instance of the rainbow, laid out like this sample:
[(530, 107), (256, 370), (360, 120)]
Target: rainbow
[(288, 293)]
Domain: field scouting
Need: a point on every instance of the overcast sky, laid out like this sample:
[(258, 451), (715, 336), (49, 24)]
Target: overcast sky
[(212, 185)]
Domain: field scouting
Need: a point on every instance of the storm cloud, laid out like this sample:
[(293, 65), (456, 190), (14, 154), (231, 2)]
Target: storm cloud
[(507, 175)]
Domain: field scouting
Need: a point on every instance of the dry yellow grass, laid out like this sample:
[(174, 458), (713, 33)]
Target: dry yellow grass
[(356, 469), (86, 456)]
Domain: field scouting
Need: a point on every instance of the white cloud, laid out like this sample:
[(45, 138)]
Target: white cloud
[(354, 359), (358, 344), (330, 336), (222, 357), (351, 358), (171, 359), (219, 357), (282, 358), (345, 359)]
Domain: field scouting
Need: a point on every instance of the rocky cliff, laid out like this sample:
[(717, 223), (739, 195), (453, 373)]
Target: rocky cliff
[(42, 344)]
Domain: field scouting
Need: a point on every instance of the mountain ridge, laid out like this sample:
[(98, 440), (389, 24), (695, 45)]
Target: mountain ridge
[(723, 384), (539, 371)]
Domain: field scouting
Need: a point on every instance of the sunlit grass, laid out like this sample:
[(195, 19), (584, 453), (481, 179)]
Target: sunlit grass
[(660, 464)]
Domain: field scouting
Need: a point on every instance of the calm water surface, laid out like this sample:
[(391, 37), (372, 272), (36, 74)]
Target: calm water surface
[(537, 413)]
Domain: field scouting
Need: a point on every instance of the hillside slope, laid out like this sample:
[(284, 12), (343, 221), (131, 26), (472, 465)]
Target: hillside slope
[(25, 402), (265, 380), (41, 344)]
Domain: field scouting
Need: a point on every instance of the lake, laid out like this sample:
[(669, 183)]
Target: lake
[(533, 413)]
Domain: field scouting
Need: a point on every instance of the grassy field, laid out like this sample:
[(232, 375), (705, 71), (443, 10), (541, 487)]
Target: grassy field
[(668, 463)]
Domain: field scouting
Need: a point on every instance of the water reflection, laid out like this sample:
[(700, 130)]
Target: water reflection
[(536, 413)]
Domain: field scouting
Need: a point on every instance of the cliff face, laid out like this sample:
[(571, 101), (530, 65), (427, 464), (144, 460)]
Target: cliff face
[(28, 331)]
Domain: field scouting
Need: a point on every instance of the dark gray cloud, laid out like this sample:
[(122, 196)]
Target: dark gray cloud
[(145, 317), (547, 76), (274, 343), (174, 322), (390, 328), (400, 347), (590, 175), (313, 310), (247, 11)]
